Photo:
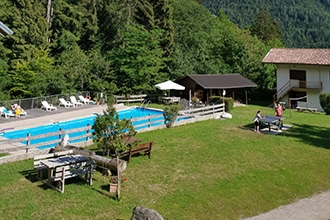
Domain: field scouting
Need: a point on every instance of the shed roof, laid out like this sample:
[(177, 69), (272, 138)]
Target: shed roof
[(298, 56), (221, 81)]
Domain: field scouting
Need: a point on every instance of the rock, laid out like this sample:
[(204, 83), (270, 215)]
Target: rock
[(142, 213)]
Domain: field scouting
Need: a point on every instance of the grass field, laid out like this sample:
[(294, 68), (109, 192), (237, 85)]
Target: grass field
[(215, 169)]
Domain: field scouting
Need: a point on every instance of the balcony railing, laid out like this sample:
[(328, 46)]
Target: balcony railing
[(296, 85)]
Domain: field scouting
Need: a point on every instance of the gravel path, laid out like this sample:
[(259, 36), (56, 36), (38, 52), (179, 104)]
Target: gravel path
[(316, 207)]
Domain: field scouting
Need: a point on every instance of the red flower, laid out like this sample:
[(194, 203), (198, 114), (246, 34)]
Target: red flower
[(114, 179)]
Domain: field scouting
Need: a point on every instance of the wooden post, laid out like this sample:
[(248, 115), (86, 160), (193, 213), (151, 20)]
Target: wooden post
[(60, 135), (63, 180), (27, 142), (149, 121), (88, 130), (91, 173), (246, 97)]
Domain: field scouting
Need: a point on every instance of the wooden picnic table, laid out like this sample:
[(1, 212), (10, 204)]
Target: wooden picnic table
[(170, 100), (65, 167)]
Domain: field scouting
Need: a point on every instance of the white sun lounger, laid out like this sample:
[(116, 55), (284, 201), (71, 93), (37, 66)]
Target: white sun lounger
[(65, 103), (86, 101), (75, 101), (47, 106), (7, 113)]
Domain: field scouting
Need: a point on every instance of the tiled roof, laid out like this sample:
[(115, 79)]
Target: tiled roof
[(221, 81), (298, 56)]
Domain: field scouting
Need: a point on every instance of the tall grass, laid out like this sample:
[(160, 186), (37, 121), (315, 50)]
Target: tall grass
[(215, 169)]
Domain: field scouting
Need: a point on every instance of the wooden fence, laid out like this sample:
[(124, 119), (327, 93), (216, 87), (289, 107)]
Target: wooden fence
[(202, 111), (130, 98), (140, 124)]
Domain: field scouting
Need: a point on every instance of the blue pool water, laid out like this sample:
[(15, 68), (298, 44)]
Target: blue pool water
[(79, 123)]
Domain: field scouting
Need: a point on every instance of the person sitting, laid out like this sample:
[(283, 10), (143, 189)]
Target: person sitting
[(18, 111)]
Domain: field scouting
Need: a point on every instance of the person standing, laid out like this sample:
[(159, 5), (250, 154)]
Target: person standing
[(257, 121), (278, 113)]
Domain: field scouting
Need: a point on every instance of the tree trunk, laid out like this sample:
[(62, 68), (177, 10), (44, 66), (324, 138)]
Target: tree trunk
[(102, 162), (118, 176)]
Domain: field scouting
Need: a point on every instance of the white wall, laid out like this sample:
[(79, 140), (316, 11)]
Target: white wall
[(325, 78), (314, 73), (282, 75)]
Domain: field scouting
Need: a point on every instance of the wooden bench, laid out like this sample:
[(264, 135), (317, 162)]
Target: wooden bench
[(40, 167), (141, 148), (302, 109), (60, 174), (302, 106), (131, 98)]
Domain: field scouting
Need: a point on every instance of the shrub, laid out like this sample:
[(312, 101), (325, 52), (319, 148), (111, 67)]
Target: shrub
[(325, 102), (229, 102), (170, 114)]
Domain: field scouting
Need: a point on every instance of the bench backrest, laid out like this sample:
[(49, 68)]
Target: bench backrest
[(63, 153), (143, 146), (38, 158)]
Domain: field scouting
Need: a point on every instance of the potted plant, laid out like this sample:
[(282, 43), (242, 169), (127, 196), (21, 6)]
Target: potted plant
[(113, 183), (170, 113), (96, 100)]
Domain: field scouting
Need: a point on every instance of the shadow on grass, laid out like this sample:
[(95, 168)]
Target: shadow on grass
[(104, 190), (30, 175), (313, 135), (250, 127)]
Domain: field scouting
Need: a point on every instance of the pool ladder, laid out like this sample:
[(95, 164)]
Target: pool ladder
[(145, 103)]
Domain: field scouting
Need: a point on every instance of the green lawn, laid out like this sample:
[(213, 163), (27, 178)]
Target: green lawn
[(215, 169)]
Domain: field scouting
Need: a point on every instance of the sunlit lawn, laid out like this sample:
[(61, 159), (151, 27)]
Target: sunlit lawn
[(216, 169)]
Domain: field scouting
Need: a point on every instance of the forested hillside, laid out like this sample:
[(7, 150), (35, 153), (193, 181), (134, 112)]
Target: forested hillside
[(304, 23), (121, 46)]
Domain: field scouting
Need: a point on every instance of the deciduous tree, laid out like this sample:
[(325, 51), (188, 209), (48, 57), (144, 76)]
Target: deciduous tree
[(111, 134)]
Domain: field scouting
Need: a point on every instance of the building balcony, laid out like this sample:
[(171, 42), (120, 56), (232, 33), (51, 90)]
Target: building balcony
[(298, 85)]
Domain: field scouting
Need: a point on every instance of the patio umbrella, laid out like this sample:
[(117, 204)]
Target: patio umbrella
[(169, 85)]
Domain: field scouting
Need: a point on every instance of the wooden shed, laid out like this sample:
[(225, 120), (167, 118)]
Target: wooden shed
[(202, 86)]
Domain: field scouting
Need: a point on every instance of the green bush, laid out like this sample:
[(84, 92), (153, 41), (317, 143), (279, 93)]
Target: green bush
[(229, 102), (170, 113), (325, 102)]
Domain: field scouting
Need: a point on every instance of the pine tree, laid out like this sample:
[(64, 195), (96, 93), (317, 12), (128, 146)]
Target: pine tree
[(266, 29)]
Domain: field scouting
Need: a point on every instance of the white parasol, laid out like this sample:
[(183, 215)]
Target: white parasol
[(169, 85)]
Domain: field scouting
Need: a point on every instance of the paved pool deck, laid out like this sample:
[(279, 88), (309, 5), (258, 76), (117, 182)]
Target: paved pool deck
[(36, 117)]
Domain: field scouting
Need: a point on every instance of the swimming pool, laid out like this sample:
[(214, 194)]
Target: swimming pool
[(80, 123)]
